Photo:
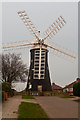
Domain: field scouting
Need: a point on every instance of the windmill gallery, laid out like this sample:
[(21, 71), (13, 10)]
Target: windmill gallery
[(39, 77)]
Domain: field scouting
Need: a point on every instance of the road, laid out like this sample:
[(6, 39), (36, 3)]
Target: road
[(56, 107)]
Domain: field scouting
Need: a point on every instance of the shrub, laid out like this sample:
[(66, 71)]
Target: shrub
[(76, 89), (6, 86), (79, 89)]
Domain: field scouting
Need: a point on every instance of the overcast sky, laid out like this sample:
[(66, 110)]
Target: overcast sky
[(62, 72)]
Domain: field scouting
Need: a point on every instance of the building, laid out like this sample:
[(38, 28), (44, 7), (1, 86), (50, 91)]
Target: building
[(69, 88), (39, 77), (56, 88)]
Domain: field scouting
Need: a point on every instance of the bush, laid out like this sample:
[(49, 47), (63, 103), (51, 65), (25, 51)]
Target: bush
[(76, 89), (6, 86)]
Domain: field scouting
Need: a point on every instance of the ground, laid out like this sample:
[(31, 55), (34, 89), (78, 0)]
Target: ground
[(55, 107)]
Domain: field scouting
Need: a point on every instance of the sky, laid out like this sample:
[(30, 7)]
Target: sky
[(42, 15)]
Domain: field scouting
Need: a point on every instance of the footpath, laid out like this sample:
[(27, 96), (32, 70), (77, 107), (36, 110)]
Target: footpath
[(10, 107)]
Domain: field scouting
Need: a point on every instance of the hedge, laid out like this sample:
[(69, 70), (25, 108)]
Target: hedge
[(76, 89)]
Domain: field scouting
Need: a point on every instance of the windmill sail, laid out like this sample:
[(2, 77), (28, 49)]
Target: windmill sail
[(28, 23), (54, 28), (63, 52)]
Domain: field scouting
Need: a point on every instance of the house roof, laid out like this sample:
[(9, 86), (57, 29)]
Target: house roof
[(71, 84), (56, 87)]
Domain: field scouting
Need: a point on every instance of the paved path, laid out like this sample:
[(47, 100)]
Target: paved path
[(56, 107), (10, 107)]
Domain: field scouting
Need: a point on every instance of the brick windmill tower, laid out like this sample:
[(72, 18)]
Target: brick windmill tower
[(39, 77)]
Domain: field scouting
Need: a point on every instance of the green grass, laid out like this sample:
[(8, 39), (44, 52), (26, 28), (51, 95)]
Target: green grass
[(27, 97), (78, 100), (31, 110), (68, 96)]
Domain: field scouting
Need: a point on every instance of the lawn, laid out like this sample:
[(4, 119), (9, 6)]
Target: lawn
[(27, 97), (77, 100), (66, 96), (31, 110)]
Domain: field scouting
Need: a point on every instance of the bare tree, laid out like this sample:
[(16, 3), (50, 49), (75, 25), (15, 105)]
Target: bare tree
[(13, 68)]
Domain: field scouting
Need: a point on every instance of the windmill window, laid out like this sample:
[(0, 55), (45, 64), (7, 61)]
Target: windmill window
[(36, 57), (42, 56), (42, 72), (36, 51), (42, 75), (42, 68), (42, 64), (36, 71), (37, 54), (36, 64), (35, 75), (36, 68), (42, 60)]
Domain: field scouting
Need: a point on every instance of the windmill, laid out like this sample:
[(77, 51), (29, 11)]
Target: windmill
[(39, 77)]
